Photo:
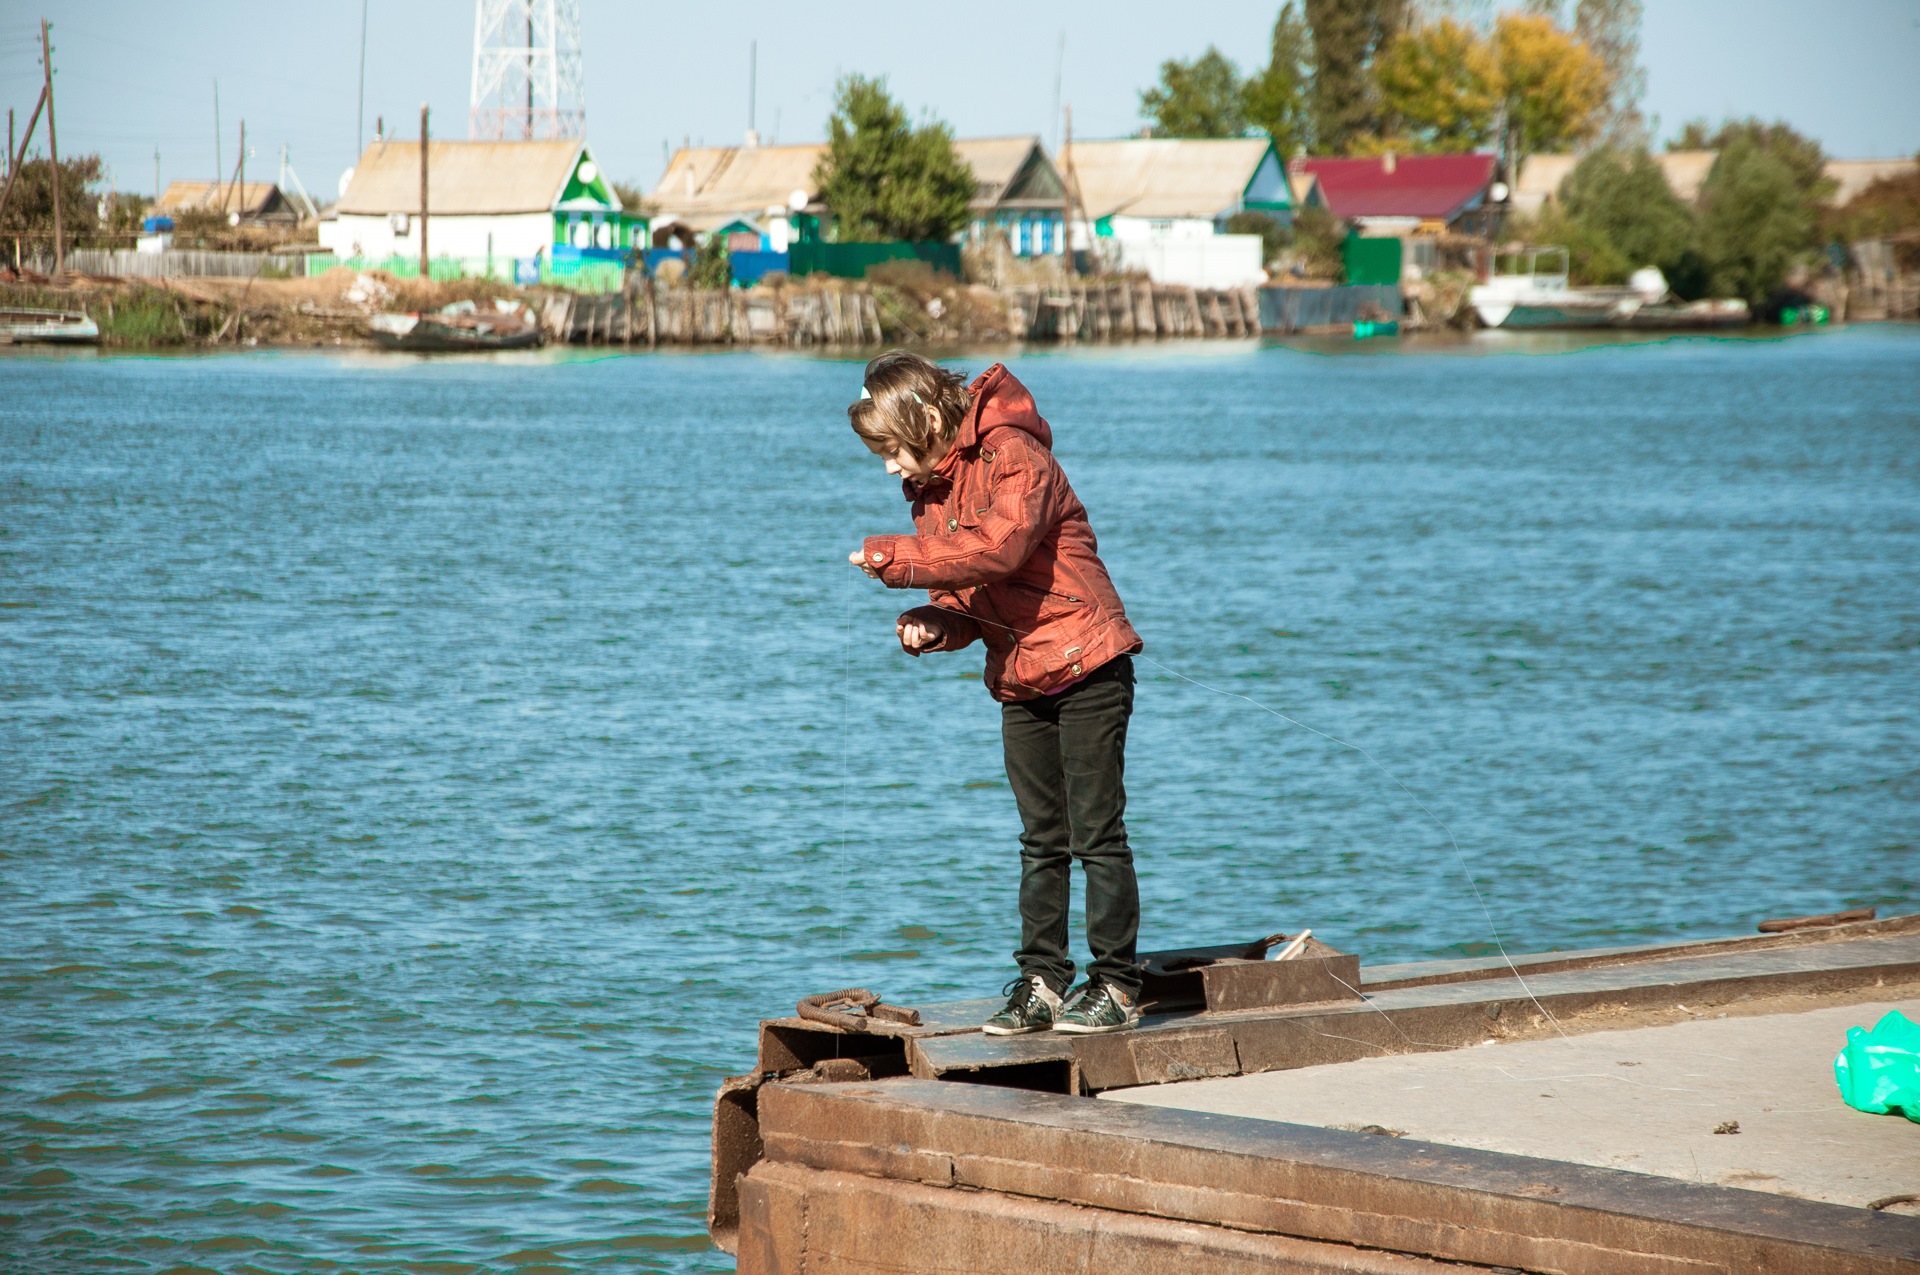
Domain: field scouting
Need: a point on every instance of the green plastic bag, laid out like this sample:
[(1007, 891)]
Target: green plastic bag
[(1879, 1070)]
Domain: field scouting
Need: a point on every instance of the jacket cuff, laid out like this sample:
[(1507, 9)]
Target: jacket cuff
[(883, 554)]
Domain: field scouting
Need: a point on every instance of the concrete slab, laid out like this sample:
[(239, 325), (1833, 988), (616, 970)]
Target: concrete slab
[(1647, 1100)]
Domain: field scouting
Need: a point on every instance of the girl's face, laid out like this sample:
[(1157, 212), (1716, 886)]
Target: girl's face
[(902, 463)]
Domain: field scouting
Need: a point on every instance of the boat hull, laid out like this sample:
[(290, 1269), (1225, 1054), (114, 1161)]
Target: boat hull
[(47, 327)]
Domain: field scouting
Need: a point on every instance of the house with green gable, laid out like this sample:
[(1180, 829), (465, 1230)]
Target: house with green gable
[(528, 211), (1161, 204)]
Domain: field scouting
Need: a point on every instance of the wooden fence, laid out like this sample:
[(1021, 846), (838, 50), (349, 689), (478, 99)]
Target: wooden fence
[(174, 263), (645, 315), (1125, 310), (1130, 310)]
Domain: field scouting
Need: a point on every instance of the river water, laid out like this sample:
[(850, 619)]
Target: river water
[(416, 777)]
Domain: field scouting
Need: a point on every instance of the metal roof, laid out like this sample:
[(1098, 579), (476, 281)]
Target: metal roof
[(1435, 186), (1164, 177), (1010, 172), (463, 178)]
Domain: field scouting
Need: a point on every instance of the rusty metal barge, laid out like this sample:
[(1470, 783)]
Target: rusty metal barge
[(1651, 1110)]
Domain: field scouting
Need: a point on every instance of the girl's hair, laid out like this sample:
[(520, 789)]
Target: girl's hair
[(902, 386)]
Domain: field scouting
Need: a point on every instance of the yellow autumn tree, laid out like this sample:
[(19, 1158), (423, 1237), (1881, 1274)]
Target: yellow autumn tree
[(1553, 86), (1440, 87)]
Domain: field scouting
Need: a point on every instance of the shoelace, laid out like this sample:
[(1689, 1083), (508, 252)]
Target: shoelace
[(1092, 1001), (1020, 991)]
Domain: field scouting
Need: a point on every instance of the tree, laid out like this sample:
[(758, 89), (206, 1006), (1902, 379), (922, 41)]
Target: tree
[(1274, 237), (1278, 99), (1617, 209), (1553, 86), (1611, 28), (883, 178), (1890, 206), (1756, 218), (1347, 34), (1800, 153), (29, 210), (1440, 87), (1201, 98)]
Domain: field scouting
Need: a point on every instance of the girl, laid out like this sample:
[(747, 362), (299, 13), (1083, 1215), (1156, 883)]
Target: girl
[(1004, 549)]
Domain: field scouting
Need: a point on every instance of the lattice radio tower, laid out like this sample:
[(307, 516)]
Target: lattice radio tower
[(529, 75)]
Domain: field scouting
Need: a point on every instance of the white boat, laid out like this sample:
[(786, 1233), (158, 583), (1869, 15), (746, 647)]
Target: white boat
[(60, 326), (1528, 289)]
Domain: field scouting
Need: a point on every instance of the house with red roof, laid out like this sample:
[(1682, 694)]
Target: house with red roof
[(1403, 194)]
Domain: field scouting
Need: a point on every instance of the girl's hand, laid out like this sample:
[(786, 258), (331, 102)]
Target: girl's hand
[(919, 635), (859, 559)]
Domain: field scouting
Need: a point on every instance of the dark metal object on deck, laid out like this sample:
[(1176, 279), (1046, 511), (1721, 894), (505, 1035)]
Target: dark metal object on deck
[(1785, 924), (1238, 976), (836, 1010)]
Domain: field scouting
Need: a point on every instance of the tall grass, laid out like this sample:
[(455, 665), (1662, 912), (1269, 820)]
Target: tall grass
[(138, 318)]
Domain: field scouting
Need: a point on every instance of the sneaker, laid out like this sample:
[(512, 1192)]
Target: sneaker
[(1031, 1007), (1100, 1007)]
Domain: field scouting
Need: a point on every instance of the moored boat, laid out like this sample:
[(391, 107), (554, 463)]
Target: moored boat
[(60, 327), (460, 326), (1529, 289), (1688, 314)]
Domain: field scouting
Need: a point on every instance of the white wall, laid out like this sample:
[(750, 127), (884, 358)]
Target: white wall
[(514, 235), (1143, 229), (1218, 261)]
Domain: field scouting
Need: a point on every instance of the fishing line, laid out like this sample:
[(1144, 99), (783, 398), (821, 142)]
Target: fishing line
[(1493, 929), (846, 757)]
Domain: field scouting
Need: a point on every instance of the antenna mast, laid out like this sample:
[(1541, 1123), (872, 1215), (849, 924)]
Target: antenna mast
[(529, 73)]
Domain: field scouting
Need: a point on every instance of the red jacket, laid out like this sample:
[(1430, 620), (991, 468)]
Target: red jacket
[(1004, 548)]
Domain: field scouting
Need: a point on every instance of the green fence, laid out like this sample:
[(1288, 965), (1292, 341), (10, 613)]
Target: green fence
[(1371, 261), (853, 260), (580, 276)]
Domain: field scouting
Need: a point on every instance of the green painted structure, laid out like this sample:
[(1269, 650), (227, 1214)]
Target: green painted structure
[(853, 260), (1371, 261)]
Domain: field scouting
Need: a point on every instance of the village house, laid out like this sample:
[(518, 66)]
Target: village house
[(765, 197), (1851, 176), (255, 203), (1161, 204), (527, 210), (1434, 206), (1541, 176), (1404, 195)]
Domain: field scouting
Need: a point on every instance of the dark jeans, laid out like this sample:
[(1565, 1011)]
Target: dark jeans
[(1065, 758)]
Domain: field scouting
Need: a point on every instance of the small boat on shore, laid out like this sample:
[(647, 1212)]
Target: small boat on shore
[(1529, 289), (55, 327), (460, 326)]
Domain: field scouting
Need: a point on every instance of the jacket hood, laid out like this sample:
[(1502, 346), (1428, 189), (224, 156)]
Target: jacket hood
[(1000, 401)]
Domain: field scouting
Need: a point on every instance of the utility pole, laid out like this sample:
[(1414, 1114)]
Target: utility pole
[(53, 146), (423, 193), (156, 174), (9, 141), (753, 83), (1066, 194), (240, 185), (360, 118), (15, 158), (218, 167)]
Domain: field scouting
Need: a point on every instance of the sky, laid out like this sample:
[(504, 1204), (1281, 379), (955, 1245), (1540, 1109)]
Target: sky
[(133, 79)]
